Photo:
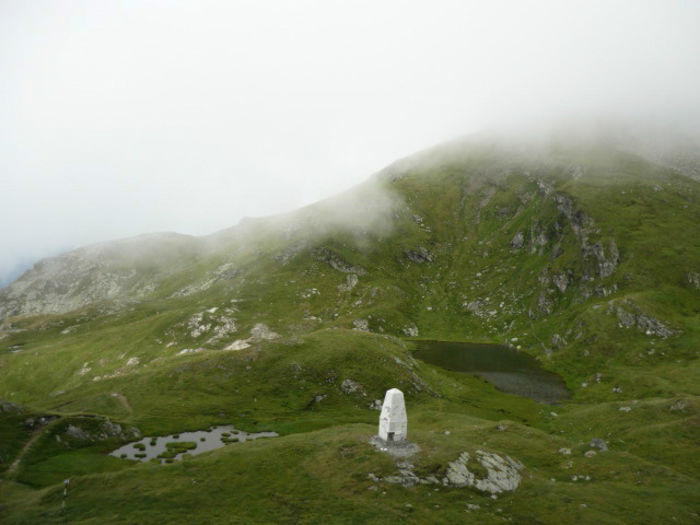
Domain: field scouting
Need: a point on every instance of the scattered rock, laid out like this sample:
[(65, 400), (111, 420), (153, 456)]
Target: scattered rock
[(399, 449), (410, 330), (186, 351), (517, 242), (565, 451), (598, 443), (315, 400), (590, 453), (376, 404), (308, 294), (361, 324), (678, 406), (224, 327), (77, 433), (238, 344), (348, 386), (558, 341), (260, 332), (625, 409)]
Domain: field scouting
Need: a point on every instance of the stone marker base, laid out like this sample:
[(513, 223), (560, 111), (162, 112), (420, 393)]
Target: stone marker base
[(399, 449)]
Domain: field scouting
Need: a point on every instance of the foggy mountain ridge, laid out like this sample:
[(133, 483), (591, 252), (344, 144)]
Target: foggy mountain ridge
[(133, 269)]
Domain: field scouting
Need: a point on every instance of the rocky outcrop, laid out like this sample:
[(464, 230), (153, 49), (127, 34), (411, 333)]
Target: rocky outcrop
[(90, 432), (419, 256), (502, 475), (351, 281), (642, 321), (607, 261), (336, 262)]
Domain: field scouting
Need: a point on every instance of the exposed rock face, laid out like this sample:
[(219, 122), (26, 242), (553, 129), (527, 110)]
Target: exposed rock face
[(606, 263), (93, 274), (503, 475), (562, 280)]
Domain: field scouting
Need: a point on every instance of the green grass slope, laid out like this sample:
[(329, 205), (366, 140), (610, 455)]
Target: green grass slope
[(585, 258)]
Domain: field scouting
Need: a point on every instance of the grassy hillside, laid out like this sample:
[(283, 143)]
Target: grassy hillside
[(584, 258)]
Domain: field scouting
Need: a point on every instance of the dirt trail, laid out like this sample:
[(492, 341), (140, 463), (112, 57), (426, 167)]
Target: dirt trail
[(123, 401), (35, 436)]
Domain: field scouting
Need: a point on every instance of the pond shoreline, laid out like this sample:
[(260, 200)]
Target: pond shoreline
[(510, 370), (170, 448)]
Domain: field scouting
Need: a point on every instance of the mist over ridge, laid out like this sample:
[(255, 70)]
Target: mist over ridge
[(135, 118)]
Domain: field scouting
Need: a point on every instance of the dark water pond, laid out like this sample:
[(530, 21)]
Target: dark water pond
[(204, 440), (507, 369)]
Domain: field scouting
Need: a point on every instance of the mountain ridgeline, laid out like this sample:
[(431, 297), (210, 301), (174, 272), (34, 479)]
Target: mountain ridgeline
[(460, 242), (586, 258)]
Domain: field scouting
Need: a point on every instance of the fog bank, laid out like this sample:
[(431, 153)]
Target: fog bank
[(122, 118)]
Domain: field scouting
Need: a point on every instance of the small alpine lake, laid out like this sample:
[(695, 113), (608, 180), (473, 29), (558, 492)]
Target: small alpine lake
[(171, 448), (506, 368)]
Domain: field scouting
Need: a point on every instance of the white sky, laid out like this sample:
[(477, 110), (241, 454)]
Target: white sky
[(120, 118)]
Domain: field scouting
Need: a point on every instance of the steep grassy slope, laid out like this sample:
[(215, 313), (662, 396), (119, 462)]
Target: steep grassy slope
[(584, 258)]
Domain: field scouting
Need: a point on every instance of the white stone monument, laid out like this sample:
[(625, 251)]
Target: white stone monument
[(392, 420)]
